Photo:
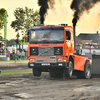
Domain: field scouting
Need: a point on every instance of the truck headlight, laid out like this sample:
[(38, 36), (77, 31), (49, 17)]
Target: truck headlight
[(60, 59), (32, 60)]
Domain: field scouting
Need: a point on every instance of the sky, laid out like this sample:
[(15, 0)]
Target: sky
[(88, 23), (10, 6)]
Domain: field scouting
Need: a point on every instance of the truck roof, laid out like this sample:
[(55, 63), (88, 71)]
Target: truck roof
[(50, 27)]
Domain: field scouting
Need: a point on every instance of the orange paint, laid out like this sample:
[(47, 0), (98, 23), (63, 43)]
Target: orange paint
[(79, 62), (68, 49)]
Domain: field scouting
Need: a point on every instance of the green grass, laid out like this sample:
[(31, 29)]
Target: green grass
[(18, 63), (15, 72), (7, 61), (14, 60)]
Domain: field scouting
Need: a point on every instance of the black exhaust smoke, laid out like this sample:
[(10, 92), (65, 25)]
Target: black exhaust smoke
[(79, 6), (44, 6)]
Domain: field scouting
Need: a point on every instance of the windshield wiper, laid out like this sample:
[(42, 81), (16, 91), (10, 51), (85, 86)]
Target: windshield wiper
[(36, 42), (58, 41), (45, 41)]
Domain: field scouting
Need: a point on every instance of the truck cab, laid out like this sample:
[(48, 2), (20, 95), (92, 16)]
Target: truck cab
[(51, 49)]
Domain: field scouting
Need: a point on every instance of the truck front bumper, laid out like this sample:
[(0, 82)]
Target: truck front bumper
[(47, 65)]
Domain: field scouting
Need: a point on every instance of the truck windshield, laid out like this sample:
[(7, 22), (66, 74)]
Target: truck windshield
[(47, 36)]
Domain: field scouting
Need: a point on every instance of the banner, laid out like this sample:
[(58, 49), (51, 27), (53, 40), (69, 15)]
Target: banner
[(5, 25)]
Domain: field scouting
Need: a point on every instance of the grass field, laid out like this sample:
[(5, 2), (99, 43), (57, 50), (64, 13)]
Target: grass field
[(15, 72), (17, 61)]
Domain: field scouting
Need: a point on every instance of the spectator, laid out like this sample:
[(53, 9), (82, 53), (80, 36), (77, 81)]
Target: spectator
[(17, 54), (0, 50), (13, 51), (22, 55), (13, 54), (8, 53)]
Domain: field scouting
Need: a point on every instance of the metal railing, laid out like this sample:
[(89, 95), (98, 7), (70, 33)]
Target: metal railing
[(2, 54)]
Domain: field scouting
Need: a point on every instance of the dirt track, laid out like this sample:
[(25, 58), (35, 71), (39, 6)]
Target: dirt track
[(28, 87)]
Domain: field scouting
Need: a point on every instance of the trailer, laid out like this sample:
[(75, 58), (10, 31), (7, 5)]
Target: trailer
[(92, 48)]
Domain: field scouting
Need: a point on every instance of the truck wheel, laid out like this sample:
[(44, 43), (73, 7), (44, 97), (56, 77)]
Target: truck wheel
[(86, 74), (36, 72), (68, 71), (58, 73)]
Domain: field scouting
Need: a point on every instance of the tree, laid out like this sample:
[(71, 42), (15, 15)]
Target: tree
[(2, 15), (1, 38), (17, 40), (25, 18), (24, 40), (11, 42)]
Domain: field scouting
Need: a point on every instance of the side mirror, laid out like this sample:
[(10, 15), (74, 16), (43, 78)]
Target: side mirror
[(68, 35)]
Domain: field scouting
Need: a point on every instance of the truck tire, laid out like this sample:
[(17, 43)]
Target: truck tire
[(36, 72), (68, 71), (58, 73), (86, 74)]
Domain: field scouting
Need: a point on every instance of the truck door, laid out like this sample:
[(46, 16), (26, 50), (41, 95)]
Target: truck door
[(68, 41)]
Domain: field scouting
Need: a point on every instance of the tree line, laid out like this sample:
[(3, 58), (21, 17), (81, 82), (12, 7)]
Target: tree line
[(24, 19)]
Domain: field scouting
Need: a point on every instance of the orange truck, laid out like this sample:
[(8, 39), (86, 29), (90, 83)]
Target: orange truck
[(51, 49)]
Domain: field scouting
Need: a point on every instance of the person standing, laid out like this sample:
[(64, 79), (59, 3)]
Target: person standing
[(22, 55), (13, 54), (17, 54)]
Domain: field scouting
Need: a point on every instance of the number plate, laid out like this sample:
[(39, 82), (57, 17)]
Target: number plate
[(45, 64), (31, 64)]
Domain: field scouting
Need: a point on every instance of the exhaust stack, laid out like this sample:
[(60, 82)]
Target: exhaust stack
[(74, 36), (74, 25)]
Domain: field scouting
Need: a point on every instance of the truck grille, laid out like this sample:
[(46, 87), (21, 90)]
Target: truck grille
[(46, 59), (46, 51)]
